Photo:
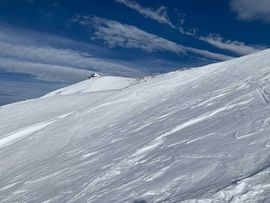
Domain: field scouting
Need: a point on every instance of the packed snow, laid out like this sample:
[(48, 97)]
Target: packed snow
[(199, 135)]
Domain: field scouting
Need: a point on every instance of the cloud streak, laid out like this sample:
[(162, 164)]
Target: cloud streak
[(46, 72), (237, 47), (181, 28), (216, 40), (116, 34), (160, 15), (250, 10), (54, 63)]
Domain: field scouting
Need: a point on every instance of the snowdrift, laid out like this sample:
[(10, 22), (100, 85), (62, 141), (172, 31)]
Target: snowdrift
[(200, 135)]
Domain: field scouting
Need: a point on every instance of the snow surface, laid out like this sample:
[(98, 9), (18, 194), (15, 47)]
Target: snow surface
[(200, 135), (94, 85)]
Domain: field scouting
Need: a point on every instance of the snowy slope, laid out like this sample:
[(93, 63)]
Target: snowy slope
[(200, 135), (94, 85)]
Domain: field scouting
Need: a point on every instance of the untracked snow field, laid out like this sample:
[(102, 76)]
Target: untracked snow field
[(193, 136)]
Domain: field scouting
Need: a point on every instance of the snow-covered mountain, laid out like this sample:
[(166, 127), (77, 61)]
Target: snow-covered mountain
[(199, 135)]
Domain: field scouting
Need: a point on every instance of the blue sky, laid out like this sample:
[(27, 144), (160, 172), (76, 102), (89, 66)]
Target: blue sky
[(47, 44)]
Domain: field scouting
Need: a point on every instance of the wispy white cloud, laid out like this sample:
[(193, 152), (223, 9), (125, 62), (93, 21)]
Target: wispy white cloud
[(249, 10), (160, 15), (216, 40), (50, 63), (208, 54), (237, 47), (246, 9), (43, 71), (190, 32), (116, 34), (63, 57), (182, 30)]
